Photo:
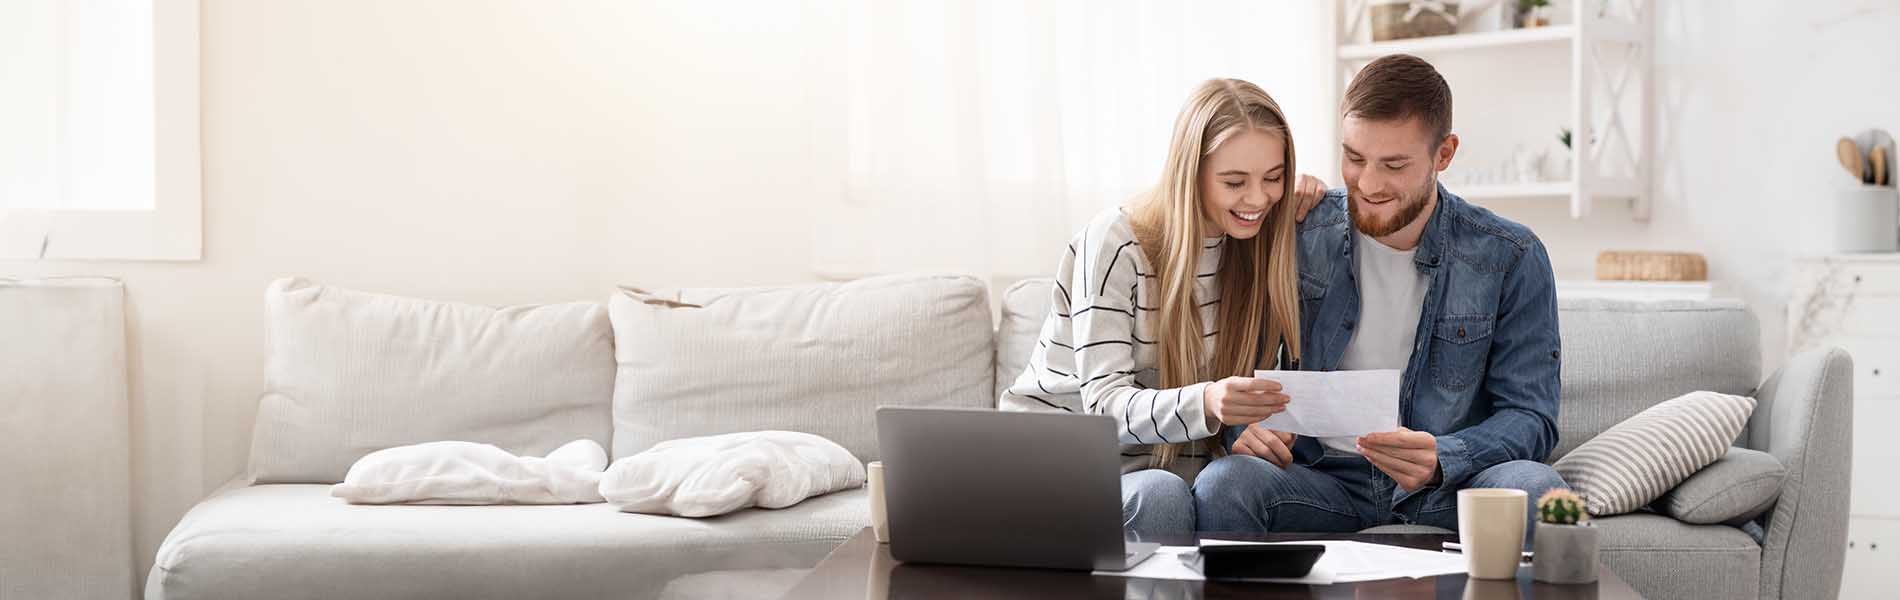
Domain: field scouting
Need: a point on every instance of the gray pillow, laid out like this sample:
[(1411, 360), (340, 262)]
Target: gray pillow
[(1733, 490), (816, 359), (1636, 461)]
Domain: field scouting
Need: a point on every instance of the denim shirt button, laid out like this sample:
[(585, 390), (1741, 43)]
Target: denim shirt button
[(1349, 325)]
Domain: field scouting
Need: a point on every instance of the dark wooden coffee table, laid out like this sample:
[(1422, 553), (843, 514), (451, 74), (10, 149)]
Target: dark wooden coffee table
[(862, 568)]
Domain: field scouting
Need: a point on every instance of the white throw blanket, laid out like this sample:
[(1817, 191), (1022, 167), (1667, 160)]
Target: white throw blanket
[(471, 473), (715, 475)]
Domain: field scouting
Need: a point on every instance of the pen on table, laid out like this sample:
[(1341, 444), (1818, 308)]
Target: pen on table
[(1460, 548)]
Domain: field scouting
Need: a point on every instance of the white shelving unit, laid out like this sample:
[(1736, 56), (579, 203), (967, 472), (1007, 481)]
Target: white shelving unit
[(1539, 189), (1459, 42), (1610, 92)]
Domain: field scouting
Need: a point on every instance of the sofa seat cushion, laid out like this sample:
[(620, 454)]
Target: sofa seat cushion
[(295, 541), (1665, 558)]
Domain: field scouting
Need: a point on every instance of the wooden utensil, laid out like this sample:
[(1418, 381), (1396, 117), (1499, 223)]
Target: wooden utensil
[(1878, 159), (1877, 146), (1849, 154)]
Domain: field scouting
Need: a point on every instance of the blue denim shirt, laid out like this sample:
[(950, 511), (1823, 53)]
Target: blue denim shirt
[(1483, 376)]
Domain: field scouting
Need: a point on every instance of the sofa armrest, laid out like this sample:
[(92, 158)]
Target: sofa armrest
[(1805, 419)]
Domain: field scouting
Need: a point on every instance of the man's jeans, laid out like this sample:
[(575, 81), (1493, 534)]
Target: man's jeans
[(1341, 493)]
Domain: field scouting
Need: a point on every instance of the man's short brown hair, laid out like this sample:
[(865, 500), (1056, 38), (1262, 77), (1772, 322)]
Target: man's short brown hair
[(1396, 87)]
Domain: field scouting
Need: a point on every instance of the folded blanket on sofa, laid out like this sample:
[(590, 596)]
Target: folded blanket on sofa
[(715, 475), (468, 473)]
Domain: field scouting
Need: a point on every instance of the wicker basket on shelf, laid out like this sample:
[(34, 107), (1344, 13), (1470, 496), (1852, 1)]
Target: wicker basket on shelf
[(1630, 265), (1401, 19)]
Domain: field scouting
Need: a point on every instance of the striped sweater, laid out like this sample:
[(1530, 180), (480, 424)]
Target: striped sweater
[(1097, 350)]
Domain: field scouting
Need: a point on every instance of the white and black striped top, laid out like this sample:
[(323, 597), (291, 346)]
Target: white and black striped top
[(1096, 352)]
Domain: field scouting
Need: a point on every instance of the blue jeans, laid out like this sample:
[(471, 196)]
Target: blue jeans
[(1342, 493), (1155, 503)]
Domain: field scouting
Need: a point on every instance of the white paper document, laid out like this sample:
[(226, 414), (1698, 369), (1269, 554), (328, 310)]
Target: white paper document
[(1336, 403), (1343, 562)]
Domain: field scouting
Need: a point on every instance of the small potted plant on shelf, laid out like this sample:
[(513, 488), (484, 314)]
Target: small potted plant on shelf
[(1558, 168), (1566, 543), (1533, 13)]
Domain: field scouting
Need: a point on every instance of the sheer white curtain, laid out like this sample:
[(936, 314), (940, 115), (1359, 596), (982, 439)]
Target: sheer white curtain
[(976, 136)]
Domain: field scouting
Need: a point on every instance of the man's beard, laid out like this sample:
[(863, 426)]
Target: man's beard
[(1410, 207)]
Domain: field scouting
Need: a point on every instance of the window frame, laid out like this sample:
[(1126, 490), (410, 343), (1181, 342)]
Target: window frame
[(173, 230)]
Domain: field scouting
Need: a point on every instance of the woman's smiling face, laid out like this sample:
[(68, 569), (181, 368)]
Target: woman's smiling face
[(1241, 181)]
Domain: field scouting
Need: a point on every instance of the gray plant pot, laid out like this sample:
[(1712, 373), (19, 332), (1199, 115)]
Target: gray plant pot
[(1565, 553)]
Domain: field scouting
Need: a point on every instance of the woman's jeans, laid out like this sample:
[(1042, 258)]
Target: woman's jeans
[(1157, 504)]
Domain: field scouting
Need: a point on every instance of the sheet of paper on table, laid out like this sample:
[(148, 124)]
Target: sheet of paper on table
[(1336, 403), (1343, 562)]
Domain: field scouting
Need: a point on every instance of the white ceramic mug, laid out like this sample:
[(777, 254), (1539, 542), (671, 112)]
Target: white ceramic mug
[(1491, 527), (874, 479)]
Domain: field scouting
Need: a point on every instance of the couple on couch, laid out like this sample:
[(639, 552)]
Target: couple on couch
[(1164, 308)]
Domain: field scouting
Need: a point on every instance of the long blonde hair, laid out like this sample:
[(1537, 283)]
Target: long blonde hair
[(1257, 277)]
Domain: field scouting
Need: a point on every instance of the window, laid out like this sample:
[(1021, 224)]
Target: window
[(976, 136), (100, 102)]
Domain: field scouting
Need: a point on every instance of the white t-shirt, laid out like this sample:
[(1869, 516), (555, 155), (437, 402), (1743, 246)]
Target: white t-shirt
[(1391, 296)]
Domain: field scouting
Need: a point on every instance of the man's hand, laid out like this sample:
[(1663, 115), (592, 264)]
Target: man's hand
[(1242, 401), (1410, 457), (1307, 191), (1275, 446)]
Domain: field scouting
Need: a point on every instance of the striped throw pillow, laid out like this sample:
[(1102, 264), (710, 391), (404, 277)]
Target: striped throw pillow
[(1638, 460)]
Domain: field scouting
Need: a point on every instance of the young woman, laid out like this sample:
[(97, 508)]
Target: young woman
[(1164, 308)]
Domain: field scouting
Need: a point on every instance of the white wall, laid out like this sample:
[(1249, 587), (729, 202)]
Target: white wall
[(513, 152)]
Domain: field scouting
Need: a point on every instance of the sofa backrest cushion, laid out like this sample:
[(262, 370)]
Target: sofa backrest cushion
[(348, 373), (1619, 356), (1025, 306), (1623, 356), (817, 358)]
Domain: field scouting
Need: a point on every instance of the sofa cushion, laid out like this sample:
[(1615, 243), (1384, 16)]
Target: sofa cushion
[(1664, 558), (818, 359), (1623, 356), (295, 541), (1738, 487), (347, 373), (467, 473), (1642, 458), (1025, 307), (720, 474)]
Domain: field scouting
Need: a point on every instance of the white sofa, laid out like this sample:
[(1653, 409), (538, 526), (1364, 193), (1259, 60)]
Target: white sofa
[(820, 359)]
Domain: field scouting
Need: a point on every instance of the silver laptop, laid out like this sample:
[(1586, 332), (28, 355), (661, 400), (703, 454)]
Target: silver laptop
[(1009, 489)]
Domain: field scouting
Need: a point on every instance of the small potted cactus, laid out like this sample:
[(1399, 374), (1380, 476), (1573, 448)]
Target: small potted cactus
[(1566, 542)]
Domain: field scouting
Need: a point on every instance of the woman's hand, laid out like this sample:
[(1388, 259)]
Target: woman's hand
[(1275, 446), (1307, 190), (1242, 400)]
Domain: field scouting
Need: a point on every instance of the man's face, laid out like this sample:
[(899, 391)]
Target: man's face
[(1391, 169)]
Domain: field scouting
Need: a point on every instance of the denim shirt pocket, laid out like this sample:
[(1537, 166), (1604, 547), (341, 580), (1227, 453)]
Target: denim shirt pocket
[(1312, 295), (1459, 353), (1311, 287)]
